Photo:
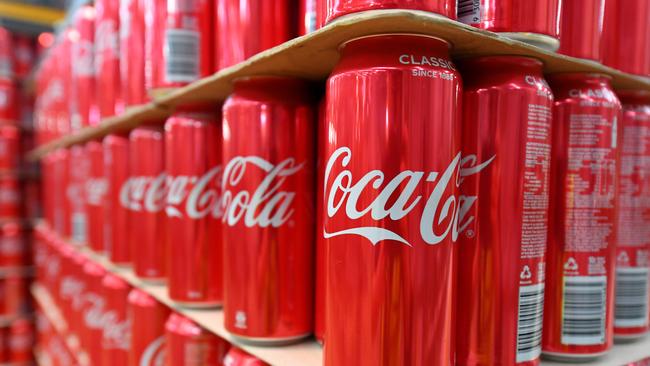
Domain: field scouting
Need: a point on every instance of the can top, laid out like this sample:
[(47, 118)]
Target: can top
[(180, 324)]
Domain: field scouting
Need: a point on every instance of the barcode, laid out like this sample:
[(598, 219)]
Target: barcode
[(469, 11), (631, 308), (529, 322), (181, 55), (79, 227), (585, 304)]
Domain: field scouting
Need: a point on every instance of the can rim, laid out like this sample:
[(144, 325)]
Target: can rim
[(344, 43)]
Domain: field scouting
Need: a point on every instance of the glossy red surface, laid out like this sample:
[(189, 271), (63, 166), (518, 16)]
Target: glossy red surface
[(8, 100), (95, 193), (144, 195), (78, 169), (582, 230), (15, 299), (116, 334), (92, 311), (237, 357), (268, 208), (338, 8), (6, 51), (308, 16), (581, 28), (116, 216), (393, 149), (61, 205), (131, 51), (626, 35), (23, 55), (147, 317), (540, 16), (320, 252), (633, 241), (252, 26), (14, 249), (9, 147), (107, 58), (154, 13), (193, 165), (81, 100), (21, 341), (188, 344)]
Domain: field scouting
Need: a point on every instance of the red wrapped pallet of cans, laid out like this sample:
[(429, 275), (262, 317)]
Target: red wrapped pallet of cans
[(9, 147), (195, 276), (82, 89), (534, 22), (507, 110), (147, 318), (268, 209), (95, 193), (579, 295), (188, 344), (107, 58), (392, 121), (581, 28), (116, 327), (338, 8), (131, 51), (633, 245), (626, 35), (116, 215)]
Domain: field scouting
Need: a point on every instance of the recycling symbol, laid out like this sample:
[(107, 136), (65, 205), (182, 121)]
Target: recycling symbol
[(525, 273), (571, 264), (623, 258)]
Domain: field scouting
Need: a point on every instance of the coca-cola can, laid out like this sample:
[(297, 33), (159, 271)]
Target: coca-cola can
[(78, 176), (533, 22), (48, 163), (253, 28), (338, 8), (6, 51), (308, 16), (268, 204), (187, 344), (195, 276), (23, 55), (14, 251), (632, 291), (186, 52), (320, 252), (10, 196), (8, 98), (72, 286), (581, 28), (95, 195), (21, 342), (9, 148), (15, 295), (626, 34), (145, 198), (131, 52), (91, 335), (116, 332), (82, 89), (116, 215), (237, 357), (579, 293), (155, 16), (147, 318), (59, 189), (391, 260), (107, 58), (507, 118)]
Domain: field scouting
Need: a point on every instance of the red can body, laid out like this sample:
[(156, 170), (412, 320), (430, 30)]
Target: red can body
[(154, 13), (6, 50), (337, 8), (94, 307), (308, 16), (579, 302), (581, 28), (390, 254), (107, 58), (8, 101), (633, 245), (534, 22), (188, 344), (15, 298), (10, 196), (24, 55), (147, 318), (95, 194), (626, 34), (9, 148), (82, 89), (132, 53), (144, 195), (320, 252), (253, 28), (116, 216), (61, 217), (237, 357), (116, 334), (195, 276), (21, 342), (78, 176), (268, 209), (507, 110), (14, 251)]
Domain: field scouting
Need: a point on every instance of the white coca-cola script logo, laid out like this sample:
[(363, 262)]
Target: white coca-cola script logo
[(200, 194), (154, 354), (96, 191), (144, 193), (344, 192), (116, 331), (106, 41), (71, 288), (267, 205)]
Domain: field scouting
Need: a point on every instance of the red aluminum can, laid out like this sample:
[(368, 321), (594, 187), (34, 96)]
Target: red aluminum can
[(92, 313), (320, 252), (10, 197), (82, 91), (59, 189), (107, 58), (95, 195), (391, 262), (9, 148), (268, 208), (13, 245), (147, 317), (253, 28), (144, 195), (579, 300), (132, 55), (6, 51), (581, 28), (155, 16), (72, 286), (338, 8), (8, 101), (534, 22), (185, 53), (24, 55), (633, 244), (48, 162), (188, 344), (21, 342), (116, 335), (626, 35), (237, 357), (195, 276), (116, 216), (507, 117), (78, 176), (14, 292), (4, 345), (308, 16)]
